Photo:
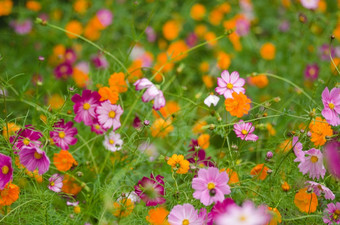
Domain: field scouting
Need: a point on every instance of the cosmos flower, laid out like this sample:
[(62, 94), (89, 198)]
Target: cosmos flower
[(186, 214), (312, 71), (105, 17), (21, 27), (151, 93), (245, 131), (109, 115), (34, 157), (26, 137), (332, 214), (310, 4), (151, 190), (229, 83), (55, 182), (331, 103), (319, 189), (211, 99), (63, 70), (332, 154), (219, 209), (113, 142), (63, 134), (179, 164), (238, 105), (6, 170), (313, 164)]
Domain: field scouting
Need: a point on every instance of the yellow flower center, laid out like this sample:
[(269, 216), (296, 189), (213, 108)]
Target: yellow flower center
[(61, 134), (112, 114), (185, 222), (4, 170), (52, 183), (336, 214), (86, 106), (314, 159), (331, 105), (312, 71), (244, 132), (111, 141), (26, 141), (211, 186), (37, 155), (230, 86), (243, 218), (97, 127)]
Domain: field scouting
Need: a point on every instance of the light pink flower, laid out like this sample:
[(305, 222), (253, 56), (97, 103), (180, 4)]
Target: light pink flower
[(313, 164), (186, 214), (109, 115), (332, 214), (151, 93), (113, 142), (105, 17), (210, 185), (229, 84), (310, 4), (56, 182), (318, 189), (34, 158), (297, 147), (331, 103), (244, 131)]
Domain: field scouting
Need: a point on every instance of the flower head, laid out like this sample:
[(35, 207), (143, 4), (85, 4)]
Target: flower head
[(33, 157), (26, 137), (105, 17), (320, 129), (113, 142), (6, 170), (229, 83), (312, 71), (332, 213), (260, 171), (332, 154), (186, 214), (64, 160), (157, 216), (238, 105), (161, 128), (179, 164), (55, 182), (109, 115), (313, 164), (123, 207), (9, 194), (63, 70), (306, 202), (331, 103), (151, 190), (219, 209), (63, 135), (310, 4), (151, 93), (319, 189), (211, 99), (245, 131)]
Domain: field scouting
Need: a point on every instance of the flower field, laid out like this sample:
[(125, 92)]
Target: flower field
[(170, 112)]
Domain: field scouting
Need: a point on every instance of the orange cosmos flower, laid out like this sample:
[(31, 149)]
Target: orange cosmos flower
[(157, 216), (208, 81), (197, 11), (267, 51), (200, 30), (9, 194), (56, 101), (80, 6), (64, 160), (33, 5), (320, 129), (179, 164), (117, 81), (215, 17), (123, 207), (12, 128), (177, 50), (259, 81), (198, 127), (80, 78), (135, 71), (171, 30), (108, 94), (233, 177), (260, 171), (238, 105), (203, 141), (75, 27), (306, 202), (223, 60), (70, 186), (276, 216), (161, 128), (168, 110), (285, 186), (5, 7)]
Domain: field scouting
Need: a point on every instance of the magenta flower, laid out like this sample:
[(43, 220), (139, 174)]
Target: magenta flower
[(191, 39), (313, 164), (210, 186), (229, 84), (109, 115), (97, 128), (63, 134), (113, 142), (331, 103), (70, 56), (312, 71), (332, 154), (319, 189), (332, 214), (56, 182), (63, 70), (99, 61), (85, 106), (26, 137), (324, 52), (197, 156), (245, 131), (21, 27), (186, 214), (33, 157), (6, 173), (151, 190), (105, 17), (151, 93), (219, 209)]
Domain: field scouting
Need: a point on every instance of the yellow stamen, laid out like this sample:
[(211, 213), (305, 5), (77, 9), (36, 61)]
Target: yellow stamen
[(211, 186), (4, 170), (331, 105), (52, 183), (244, 132), (37, 155), (112, 114), (26, 141), (230, 86), (86, 106), (185, 222), (243, 218), (97, 127), (111, 141), (61, 134), (314, 159)]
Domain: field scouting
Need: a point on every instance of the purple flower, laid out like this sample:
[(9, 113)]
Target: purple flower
[(113, 142), (85, 106), (56, 182), (210, 186), (151, 93), (242, 26), (313, 164), (63, 70), (151, 191), (227, 84), (33, 157), (318, 189), (6, 173), (332, 214), (191, 40), (105, 17), (324, 52), (312, 71), (21, 27), (244, 131), (219, 209), (63, 135), (109, 115), (151, 34), (26, 137), (332, 154), (331, 103), (186, 214), (284, 26), (70, 56)]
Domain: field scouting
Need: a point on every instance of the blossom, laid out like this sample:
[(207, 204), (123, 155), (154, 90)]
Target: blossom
[(161, 128), (260, 171), (229, 83), (276, 216), (306, 202), (210, 186), (245, 131), (113, 142), (63, 70), (149, 149), (268, 51), (151, 190), (117, 80), (56, 182), (332, 154), (313, 164), (34, 157), (297, 147), (21, 27), (70, 185), (331, 103), (63, 135), (179, 164), (204, 141), (320, 129), (6, 173), (9, 194), (85, 106), (186, 214), (219, 209), (109, 115), (312, 71), (105, 17), (26, 137), (199, 159), (310, 4), (332, 214), (157, 216), (123, 207), (325, 50), (107, 93), (238, 105), (99, 61), (64, 160), (151, 93), (95, 127), (318, 189), (211, 99)]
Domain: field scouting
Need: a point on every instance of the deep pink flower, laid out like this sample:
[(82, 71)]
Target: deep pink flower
[(109, 115), (186, 214), (6, 170), (191, 39), (313, 164), (33, 157), (56, 182), (63, 70), (210, 185), (99, 61), (312, 71), (85, 106), (332, 154), (319, 189), (332, 214), (105, 17), (151, 93), (219, 209), (63, 134), (331, 103), (113, 142), (97, 128), (151, 190), (70, 56), (245, 131), (227, 84), (26, 137)]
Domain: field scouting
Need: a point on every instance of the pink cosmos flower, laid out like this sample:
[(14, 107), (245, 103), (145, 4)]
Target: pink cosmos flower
[(331, 103), (318, 189), (113, 142), (242, 26), (229, 83), (99, 61), (97, 128), (109, 115), (6, 170), (72, 203), (332, 154), (244, 131), (151, 93), (310, 4), (70, 56), (21, 27), (219, 209), (105, 17), (297, 147), (332, 214), (56, 182), (63, 135), (33, 157), (85, 106), (151, 34), (248, 214), (63, 70), (151, 190), (26, 137), (186, 214), (210, 185), (312, 71), (313, 164)]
